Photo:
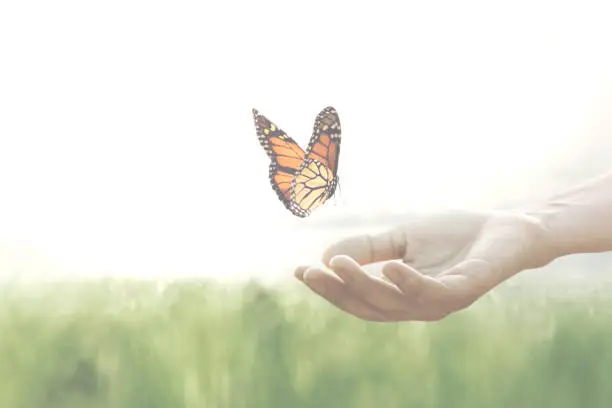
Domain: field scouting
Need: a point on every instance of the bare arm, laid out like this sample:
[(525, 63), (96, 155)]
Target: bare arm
[(442, 263), (580, 219)]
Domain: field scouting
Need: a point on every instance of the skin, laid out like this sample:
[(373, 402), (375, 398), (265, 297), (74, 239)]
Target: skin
[(434, 265)]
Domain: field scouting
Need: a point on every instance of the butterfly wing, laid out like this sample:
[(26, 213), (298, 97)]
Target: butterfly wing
[(324, 145), (285, 154), (316, 179), (310, 187)]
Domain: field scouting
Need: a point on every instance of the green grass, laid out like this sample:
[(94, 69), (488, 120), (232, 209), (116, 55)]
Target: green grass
[(136, 344)]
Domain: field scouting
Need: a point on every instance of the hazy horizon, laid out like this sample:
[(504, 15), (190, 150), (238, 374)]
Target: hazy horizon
[(128, 142)]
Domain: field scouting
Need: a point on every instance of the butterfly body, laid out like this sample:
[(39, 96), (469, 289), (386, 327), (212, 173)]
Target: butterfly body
[(302, 180)]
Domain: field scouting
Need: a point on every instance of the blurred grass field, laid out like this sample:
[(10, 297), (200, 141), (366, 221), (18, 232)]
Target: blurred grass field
[(119, 343)]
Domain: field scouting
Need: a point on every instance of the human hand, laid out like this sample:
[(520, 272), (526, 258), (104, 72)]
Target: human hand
[(439, 264)]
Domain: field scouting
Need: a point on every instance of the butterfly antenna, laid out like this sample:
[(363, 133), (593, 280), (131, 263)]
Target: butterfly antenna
[(339, 194)]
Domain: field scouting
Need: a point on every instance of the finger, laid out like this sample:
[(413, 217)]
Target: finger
[(375, 291), (469, 277), (332, 289), (456, 288), (299, 272), (408, 280), (413, 284), (369, 248), (323, 284)]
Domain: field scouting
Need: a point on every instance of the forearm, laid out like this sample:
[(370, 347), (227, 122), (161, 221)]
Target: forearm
[(578, 220)]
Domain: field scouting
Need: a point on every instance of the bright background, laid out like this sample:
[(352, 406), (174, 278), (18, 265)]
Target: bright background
[(127, 145)]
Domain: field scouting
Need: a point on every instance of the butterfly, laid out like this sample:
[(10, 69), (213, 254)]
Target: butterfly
[(303, 180)]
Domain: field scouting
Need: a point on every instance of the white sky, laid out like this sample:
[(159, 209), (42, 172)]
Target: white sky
[(127, 144)]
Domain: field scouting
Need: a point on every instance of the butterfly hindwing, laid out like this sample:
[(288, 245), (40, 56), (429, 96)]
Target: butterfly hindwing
[(285, 154), (310, 187)]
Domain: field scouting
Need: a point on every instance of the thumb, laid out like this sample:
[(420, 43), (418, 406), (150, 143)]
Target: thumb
[(369, 248)]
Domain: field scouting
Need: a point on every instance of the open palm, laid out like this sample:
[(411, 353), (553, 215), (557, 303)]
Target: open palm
[(437, 264)]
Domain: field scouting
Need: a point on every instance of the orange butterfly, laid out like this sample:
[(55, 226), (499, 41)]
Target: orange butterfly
[(302, 180)]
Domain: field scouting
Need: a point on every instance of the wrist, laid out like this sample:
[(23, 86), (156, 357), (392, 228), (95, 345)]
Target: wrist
[(533, 247), (514, 241)]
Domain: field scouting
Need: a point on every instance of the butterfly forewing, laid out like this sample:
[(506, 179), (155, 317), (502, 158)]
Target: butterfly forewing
[(324, 144), (285, 154)]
